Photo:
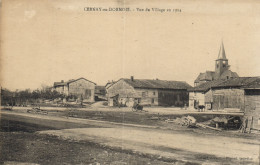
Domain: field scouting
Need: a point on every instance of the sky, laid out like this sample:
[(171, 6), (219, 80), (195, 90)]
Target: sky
[(45, 41)]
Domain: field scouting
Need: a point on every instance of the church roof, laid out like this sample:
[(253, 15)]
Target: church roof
[(210, 76), (223, 74), (228, 73), (206, 76), (222, 54)]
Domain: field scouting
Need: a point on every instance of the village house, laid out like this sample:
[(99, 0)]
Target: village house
[(199, 95), (222, 70), (81, 88), (148, 92)]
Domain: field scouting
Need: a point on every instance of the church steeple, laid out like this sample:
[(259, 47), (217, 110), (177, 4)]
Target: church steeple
[(222, 69), (221, 62), (222, 54)]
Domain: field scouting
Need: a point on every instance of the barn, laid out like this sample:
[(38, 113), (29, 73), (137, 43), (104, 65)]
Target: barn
[(81, 88), (243, 94), (231, 93), (148, 92)]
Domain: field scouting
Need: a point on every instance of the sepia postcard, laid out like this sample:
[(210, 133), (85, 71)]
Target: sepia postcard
[(129, 82)]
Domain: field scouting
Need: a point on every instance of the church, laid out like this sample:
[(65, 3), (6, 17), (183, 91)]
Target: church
[(222, 70)]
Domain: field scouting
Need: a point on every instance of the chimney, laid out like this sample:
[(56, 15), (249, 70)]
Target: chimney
[(132, 78), (62, 81)]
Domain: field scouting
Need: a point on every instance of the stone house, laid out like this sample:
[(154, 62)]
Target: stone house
[(148, 92), (81, 88)]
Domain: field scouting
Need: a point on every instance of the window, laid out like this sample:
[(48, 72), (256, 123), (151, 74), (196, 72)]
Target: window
[(144, 94), (152, 100), (154, 93), (227, 77)]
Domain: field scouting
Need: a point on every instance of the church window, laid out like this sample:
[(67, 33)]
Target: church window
[(224, 64)]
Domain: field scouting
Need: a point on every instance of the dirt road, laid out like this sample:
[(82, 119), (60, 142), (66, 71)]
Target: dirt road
[(150, 141), (165, 144)]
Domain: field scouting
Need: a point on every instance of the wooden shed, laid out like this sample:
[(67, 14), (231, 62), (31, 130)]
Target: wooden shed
[(231, 93), (252, 104), (241, 93)]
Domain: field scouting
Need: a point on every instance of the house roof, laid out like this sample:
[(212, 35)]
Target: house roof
[(157, 84), (253, 85), (109, 84), (205, 86), (70, 81), (237, 82)]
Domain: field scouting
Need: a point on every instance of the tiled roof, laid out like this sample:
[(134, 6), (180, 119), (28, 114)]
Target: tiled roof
[(208, 76), (237, 82), (205, 86), (229, 73), (59, 84), (157, 84), (254, 84), (70, 81)]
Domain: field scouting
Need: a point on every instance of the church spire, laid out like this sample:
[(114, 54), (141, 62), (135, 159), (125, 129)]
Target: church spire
[(222, 54)]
